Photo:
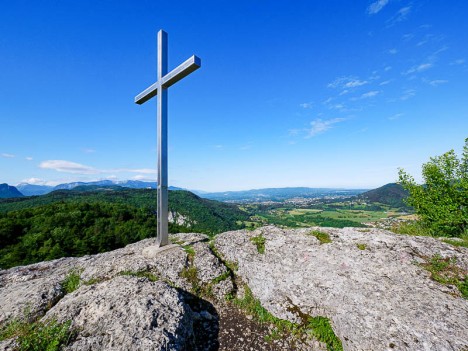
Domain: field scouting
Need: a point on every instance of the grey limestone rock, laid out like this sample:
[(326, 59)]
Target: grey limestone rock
[(126, 313), (378, 298)]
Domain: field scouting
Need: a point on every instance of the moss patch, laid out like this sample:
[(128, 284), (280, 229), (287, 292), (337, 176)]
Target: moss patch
[(445, 271), (361, 246), (318, 327), (324, 238), (259, 242)]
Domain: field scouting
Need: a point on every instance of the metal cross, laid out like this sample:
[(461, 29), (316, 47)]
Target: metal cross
[(165, 80)]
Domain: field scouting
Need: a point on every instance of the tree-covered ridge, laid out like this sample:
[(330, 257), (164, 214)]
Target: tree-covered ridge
[(68, 223), (206, 216), (392, 194)]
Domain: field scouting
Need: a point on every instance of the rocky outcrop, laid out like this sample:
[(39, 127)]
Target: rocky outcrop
[(115, 307), (370, 284)]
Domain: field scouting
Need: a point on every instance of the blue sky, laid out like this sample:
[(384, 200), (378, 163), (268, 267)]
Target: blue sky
[(303, 93)]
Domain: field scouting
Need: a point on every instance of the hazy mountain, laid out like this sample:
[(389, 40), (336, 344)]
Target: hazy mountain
[(279, 194), (8, 191), (32, 189), (391, 194)]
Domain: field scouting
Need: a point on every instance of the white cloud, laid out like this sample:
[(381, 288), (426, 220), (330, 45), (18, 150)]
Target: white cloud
[(395, 116), (385, 82), (68, 167), (346, 83), (29, 158), (355, 83), (5, 155), (130, 170), (320, 126), (388, 68), (393, 51), (8, 155), (306, 105), (370, 94), (437, 82), (34, 181), (88, 150), (402, 13), (400, 16), (420, 68), (375, 7), (458, 62), (407, 94)]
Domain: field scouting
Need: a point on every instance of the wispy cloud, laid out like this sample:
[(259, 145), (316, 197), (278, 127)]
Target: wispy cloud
[(395, 116), (245, 147), (218, 147), (348, 82), (370, 94), (458, 62), (385, 82), (375, 7), (29, 158), (393, 51), (319, 126), (437, 82), (420, 68), (367, 95), (306, 105), (131, 170), (401, 15), (89, 150), (5, 155), (68, 167), (407, 94), (77, 168)]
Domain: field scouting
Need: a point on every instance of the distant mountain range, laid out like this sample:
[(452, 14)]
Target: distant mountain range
[(8, 191), (32, 189), (280, 194), (391, 194)]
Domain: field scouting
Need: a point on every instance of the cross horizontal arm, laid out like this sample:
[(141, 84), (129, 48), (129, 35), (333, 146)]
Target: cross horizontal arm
[(183, 70), (147, 94)]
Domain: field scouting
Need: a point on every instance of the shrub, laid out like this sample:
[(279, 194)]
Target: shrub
[(442, 201)]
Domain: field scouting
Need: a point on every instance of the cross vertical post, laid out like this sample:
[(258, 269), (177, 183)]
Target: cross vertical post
[(163, 201), (165, 80)]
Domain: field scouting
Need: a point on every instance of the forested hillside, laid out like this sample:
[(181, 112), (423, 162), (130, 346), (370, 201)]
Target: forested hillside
[(75, 223)]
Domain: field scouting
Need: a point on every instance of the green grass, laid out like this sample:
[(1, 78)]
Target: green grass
[(221, 277), (38, 336), (259, 242), (361, 246), (141, 274), (324, 238), (411, 228), (445, 271), (189, 250), (460, 243), (71, 281), (319, 327)]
